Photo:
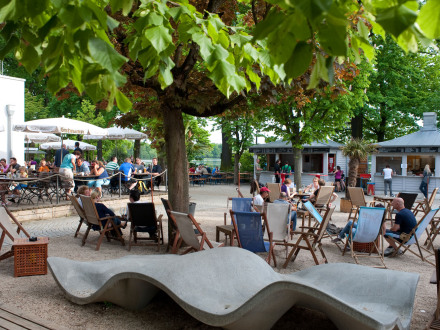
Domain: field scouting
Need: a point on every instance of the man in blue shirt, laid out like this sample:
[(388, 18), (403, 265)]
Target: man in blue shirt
[(404, 223), (127, 169)]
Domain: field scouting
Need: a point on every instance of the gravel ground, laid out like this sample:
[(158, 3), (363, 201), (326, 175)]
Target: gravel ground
[(40, 296)]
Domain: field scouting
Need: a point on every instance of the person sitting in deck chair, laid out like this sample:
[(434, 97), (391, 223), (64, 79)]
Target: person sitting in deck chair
[(404, 223)]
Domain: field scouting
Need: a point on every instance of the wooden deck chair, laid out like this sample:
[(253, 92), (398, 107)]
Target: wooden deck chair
[(310, 239), (367, 229), (434, 230), (185, 224), (250, 232), (435, 321), (142, 217), (275, 190), (405, 241), (424, 205), (238, 204), (80, 211), (278, 218), (323, 197), (7, 229), (357, 199), (93, 218), (408, 199)]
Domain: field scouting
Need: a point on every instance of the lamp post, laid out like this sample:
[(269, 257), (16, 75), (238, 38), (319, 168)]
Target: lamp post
[(10, 110)]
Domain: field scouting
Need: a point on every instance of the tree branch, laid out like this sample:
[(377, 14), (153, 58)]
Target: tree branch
[(215, 109)]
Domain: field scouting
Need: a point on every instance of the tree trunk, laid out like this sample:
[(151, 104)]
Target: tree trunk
[(177, 162), (297, 165), (226, 155), (99, 149), (381, 130), (236, 167), (353, 165), (137, 149), (357, 123)]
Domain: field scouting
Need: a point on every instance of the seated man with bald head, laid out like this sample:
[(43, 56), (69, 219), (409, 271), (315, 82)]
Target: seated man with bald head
[(404, 223)]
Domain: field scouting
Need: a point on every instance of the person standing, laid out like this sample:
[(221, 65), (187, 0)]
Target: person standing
[(287, 170), (258, 169), (387, 179), (78, 148), (424, 184), (66, 171), (277, 170), (59, 155)]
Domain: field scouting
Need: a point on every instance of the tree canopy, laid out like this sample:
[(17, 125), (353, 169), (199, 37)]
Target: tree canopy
[(195, 57)]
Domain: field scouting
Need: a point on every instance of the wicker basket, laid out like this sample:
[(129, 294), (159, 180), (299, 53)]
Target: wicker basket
[(30, 258), (365, 247)]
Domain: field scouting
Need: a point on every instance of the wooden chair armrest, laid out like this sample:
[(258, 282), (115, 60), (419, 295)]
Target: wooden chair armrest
[(106, 218), (224, 219)]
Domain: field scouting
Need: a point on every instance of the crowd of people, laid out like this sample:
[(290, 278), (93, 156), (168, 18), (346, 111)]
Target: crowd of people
[(70, 167)]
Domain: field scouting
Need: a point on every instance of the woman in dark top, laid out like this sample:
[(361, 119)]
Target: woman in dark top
[(104, 211)]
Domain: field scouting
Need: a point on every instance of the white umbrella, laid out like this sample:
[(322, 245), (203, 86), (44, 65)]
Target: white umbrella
[(41, 137), (118, 133), (70, 145), (59, 126)]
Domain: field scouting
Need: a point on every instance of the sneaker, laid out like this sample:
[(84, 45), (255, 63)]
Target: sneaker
[(386, 195), (336, 240), (392, 195), (389, 249), (389, 252)]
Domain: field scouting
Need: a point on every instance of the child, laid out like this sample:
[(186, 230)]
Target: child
[(22, 172), (43, 166)]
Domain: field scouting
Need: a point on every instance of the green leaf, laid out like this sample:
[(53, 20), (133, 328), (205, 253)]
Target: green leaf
[(30, 59), (54, 46), (99, 14), (221, 70), (147, 56), (300, 60), (125, 5), (333, 38), (205, 44), (236, 82), (269, 24), (363, 30), (122, 101), (57, 80), (377, 29), (91, 73), (313, 8), (253, 76), (429, 19), (396, 19), (70, 17), (8, 10), (408, 41), (105, 55), (218, 54), (112, 23), (368, 50), (240, 39), (159, 37), (12, 43)]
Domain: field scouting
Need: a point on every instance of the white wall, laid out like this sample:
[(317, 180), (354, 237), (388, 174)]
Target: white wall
[(12, 93)]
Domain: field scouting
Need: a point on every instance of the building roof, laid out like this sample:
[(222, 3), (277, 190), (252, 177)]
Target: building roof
[(284, 144), (420, 138)]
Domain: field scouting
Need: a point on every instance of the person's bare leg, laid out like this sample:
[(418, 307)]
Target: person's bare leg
[(391, 242)]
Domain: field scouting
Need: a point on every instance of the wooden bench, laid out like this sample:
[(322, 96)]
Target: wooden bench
[(13, 320)]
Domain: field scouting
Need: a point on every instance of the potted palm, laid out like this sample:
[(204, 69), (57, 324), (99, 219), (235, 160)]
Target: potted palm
[(356, 150)]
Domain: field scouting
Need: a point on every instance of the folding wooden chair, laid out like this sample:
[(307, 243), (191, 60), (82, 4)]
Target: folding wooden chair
[(435, 322), (357, 199), (80, 211), (250, 232), (104, 225), (434, 230), (405, 241), (278, 218), (275, 190), (323, 198), (366, 230), (185, 224), (238, 204), (311, 239), (142, 217), (8, 230), (424, 205)]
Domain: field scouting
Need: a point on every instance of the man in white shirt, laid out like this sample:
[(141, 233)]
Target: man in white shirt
[(259, 199), (387, 179)]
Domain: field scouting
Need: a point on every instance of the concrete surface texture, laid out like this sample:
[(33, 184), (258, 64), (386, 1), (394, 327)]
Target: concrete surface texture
[(235, 289)]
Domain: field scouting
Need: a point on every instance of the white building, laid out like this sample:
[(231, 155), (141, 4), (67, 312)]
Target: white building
[(11, 112)]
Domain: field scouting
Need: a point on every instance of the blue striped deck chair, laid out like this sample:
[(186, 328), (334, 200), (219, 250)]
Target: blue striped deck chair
[(249, 229), (366, 229), (405, 241), (238, 204)]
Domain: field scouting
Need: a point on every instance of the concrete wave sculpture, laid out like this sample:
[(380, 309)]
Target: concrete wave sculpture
[(236, 289)]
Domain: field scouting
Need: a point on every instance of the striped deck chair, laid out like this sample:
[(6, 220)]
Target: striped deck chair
[(367, 229), (405, 241), (248, 226)]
